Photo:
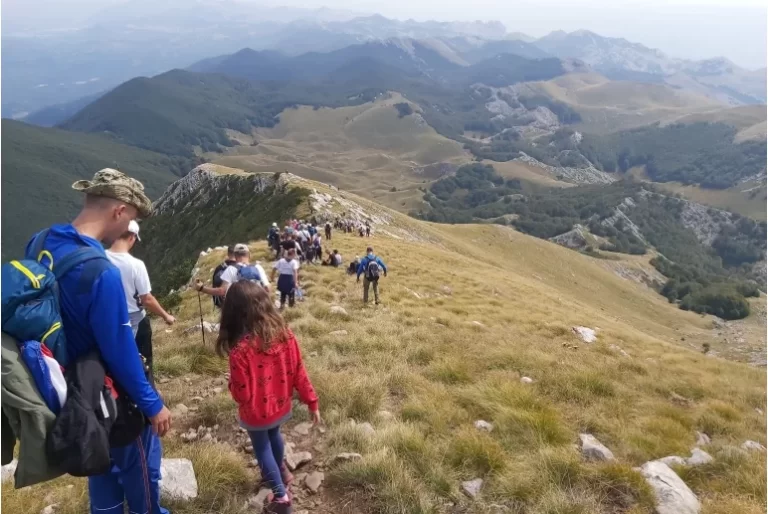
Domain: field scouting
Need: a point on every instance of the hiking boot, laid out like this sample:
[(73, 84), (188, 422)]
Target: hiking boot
[(276, 507)]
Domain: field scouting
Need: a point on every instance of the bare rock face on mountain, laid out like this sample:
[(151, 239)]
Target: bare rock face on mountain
[(575, 238), (587, 175)]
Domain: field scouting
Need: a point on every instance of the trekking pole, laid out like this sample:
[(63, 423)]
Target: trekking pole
[(202, 328)]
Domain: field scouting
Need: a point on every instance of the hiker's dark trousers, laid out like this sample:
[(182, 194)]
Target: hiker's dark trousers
[(287, 287), (366, 284), (328, 234)]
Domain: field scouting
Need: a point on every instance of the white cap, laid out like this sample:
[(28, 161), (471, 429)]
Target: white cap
[(133, 228), (274, 224)]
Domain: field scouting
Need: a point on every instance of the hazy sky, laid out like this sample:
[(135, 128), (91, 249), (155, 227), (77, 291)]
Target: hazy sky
[(695, 29)]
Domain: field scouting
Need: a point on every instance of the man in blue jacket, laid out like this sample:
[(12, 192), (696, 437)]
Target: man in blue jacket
[(371, 266), (94, 315)]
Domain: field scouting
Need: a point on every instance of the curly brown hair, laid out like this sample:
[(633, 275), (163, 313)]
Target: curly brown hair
[(248, 311)]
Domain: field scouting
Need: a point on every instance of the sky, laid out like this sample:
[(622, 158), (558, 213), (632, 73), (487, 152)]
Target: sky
[(694, 29)]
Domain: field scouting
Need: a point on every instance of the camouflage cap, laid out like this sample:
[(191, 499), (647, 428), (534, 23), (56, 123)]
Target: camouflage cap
[(115, 184)]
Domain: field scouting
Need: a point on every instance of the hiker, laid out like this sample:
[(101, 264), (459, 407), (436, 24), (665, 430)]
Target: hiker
[(218, 300), (265, 368), (242, 269), (95, 317), (334, 259), (288, 281), (367, 229), (273, 238), (138, 292), (361, 230), (328, 230), (371, 266), (317, 245), (352, 268)]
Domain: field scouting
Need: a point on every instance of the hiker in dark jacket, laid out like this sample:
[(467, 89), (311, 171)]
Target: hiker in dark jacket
[(371, 266), (97, 318), (328, 231)]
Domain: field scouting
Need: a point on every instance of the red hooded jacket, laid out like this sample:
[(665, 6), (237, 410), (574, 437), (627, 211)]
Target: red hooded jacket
[(262, 383)]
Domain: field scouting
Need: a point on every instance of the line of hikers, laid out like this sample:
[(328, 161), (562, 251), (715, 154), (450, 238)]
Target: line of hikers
[(78, 387)]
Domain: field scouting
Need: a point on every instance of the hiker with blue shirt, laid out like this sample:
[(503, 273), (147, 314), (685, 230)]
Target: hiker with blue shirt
[(242, 269), (95, 317), (372, 267)]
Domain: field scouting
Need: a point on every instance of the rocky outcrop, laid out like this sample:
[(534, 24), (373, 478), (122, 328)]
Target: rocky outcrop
[(594, 450), (587, 175), (575, 238)]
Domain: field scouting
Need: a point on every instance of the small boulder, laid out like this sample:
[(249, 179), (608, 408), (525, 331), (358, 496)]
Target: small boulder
[(672, 495), (674, 460), (196, 399), (338, 333), (367, 428), (180, 409), (526, 380), (472, 487), (178, 479), (7, 471), (752, 446), (189, 436), (385, 415), (478, 324), (258, 500), (447, 290), (302, 428), (587, 335), (207, 438), (338, 309), (594, 450), (702, 439), (698, 457), (483, 425), (314, 480), (50, 509), (296, 460), (344, 457)]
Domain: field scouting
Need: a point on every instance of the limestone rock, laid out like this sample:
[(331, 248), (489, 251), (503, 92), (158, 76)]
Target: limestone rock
[(526, 380), (180, 409), (587, 335), (258, 500), (672, 495), (753, 446), (207, 438), (478, 324), (367, 428), (178, 479), (674, 460), (189, 436), (302, 428), (197, 399), (337, 309), (702, 439), (385, 415), (50, 509), (8, 471), (698, 457), (592, 449), (338, 333), (483, 425), (472, 487), (344, 457), (314, 480), (295, 460)]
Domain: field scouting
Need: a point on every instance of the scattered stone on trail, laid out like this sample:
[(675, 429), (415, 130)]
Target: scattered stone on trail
[(698, 457), (587, 335), (446, 290), (673, 460), (385, 415), (208, 327), (302, 512), (248, 448), (314, 480), (338, 333), (338, 309), (7, 471), (296, 460), (303, 428), (472, 487), (313, 354), (702, 439), (483, 425), (163, 380), (680, 400), (344, 457), (526, 380), (752, 446), (258, 500), (197, 399), (50, 509), (367, 428), (218, 390), (178, 479), (478, 324), (592, 449), (180, 409), (207, 438), (672, 495), (253, 463), (189, 436), (759, 411), (618, 349)]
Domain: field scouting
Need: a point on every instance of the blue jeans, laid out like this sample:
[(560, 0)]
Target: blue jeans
[(269, 450), (133, 478)]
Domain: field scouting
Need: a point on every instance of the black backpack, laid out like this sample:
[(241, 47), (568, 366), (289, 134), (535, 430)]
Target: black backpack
[(372, 270), (218, 301)]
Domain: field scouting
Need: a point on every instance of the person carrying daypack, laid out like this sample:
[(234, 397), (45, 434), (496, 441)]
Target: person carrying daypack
[(372, 267), (328, 230), (242, 269), (96, 334), (273, 238), (218, 301)]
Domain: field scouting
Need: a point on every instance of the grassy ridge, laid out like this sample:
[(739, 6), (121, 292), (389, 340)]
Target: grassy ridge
[(40, 165)]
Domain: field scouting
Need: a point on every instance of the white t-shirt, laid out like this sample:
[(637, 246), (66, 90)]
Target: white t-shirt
[(229, 275), (135, 280), (285, 267)]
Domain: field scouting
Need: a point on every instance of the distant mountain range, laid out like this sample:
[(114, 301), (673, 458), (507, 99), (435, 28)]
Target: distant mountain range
[(43, 69)]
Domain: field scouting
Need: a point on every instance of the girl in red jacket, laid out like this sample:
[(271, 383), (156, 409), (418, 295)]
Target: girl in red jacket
[(265, 367)]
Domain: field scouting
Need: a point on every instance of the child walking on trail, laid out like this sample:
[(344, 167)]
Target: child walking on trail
[(265, 367)]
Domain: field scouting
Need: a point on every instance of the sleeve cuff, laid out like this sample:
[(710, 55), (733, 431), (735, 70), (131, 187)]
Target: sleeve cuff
[(313, 406), (154, 408)]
